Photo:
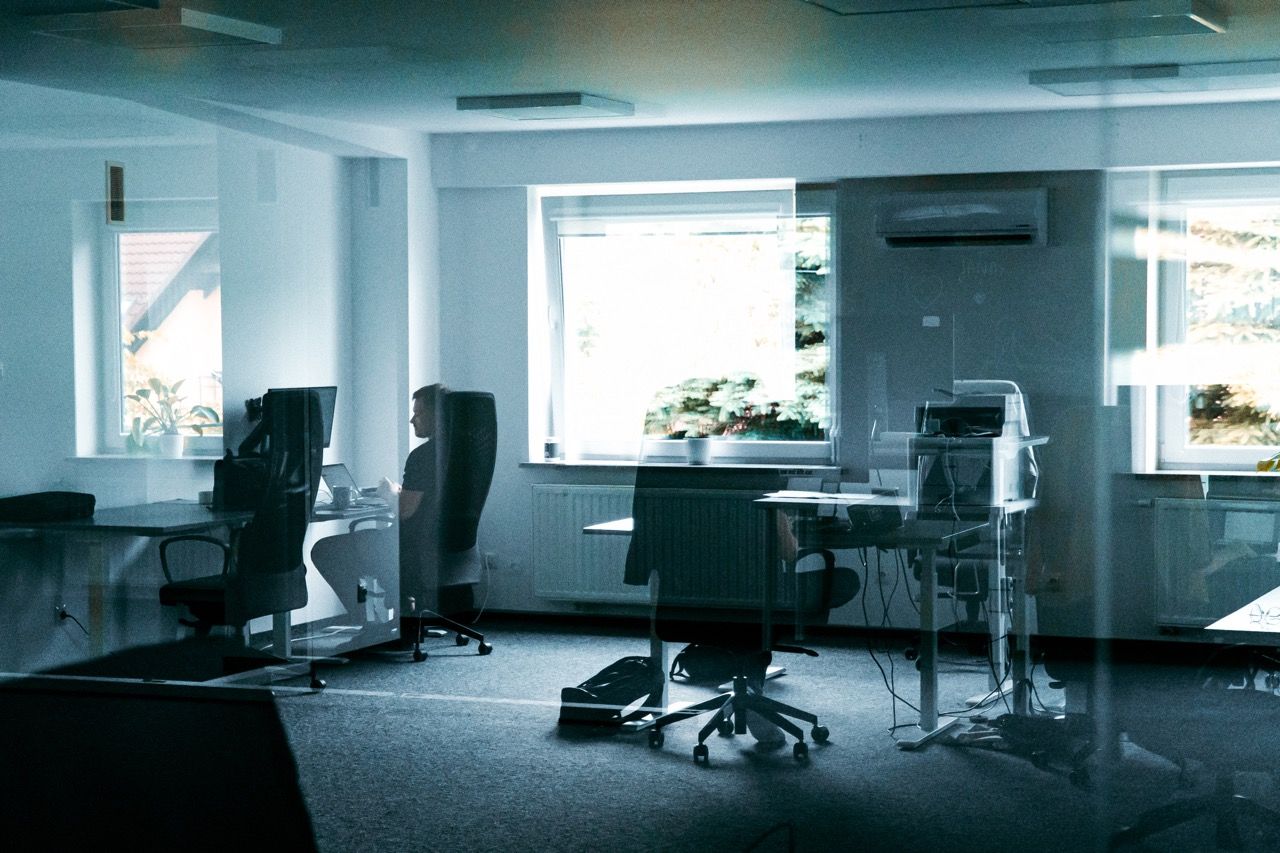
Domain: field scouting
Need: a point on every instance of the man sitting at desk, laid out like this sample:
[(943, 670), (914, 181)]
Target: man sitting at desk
[(416, 502), (406, 496)]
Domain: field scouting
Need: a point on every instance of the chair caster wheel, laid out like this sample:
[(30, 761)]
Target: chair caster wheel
[(701, 755), (461, 639), (800, 751), (1039, 760), (911, 653), (725, 728), (419, 656), (819, 734), (656, 739), (318, 683), (484, 648)]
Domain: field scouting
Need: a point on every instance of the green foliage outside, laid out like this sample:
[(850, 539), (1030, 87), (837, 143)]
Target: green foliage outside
[(732, 406), (1233, 294)]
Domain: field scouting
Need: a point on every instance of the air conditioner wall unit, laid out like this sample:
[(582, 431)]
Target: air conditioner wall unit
[(963, 218)]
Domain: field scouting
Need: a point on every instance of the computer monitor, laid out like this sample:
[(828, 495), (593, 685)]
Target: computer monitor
[(328, 397)]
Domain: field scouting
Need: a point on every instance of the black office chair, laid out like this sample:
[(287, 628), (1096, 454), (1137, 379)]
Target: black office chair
[(1214, 715), (440, 563), (263, 572), (701, 533)]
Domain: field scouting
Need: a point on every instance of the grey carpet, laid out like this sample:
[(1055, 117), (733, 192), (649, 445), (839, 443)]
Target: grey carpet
[(462, 752)]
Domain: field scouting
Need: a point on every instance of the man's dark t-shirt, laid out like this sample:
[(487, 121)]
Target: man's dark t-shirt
[(417, 478), (417, 468)]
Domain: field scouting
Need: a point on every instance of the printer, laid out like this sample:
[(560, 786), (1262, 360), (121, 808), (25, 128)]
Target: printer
[(974, 450)]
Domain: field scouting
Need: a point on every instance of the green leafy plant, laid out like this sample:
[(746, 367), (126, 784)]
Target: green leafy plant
[(165, 412), (732, 406)]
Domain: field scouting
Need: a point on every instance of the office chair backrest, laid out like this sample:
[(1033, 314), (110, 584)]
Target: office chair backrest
[(271, 544), (469, 445), (703, 535)]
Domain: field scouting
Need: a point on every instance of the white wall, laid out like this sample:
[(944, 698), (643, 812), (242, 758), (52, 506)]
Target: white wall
[(286, 316), (930, 145), (40, 192)]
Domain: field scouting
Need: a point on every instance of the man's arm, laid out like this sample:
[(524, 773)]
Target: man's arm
[(409, 503), (396, 495)]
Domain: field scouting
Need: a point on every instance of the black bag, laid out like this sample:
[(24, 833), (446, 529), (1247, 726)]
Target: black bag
[(703, 663), (46, 506), (618, 693), (239, 481)]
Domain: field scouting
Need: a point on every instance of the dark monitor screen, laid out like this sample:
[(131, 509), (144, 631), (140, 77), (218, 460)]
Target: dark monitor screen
[(328, 397)]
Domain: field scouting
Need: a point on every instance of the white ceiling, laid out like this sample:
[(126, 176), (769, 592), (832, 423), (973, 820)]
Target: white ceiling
[(401, 63)]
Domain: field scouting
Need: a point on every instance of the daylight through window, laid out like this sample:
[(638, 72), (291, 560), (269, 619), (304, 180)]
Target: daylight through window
[(170, 336), (688, 315)]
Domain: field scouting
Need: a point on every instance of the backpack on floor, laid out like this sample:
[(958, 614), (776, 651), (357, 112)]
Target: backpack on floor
[(618, 693), (706, 664)]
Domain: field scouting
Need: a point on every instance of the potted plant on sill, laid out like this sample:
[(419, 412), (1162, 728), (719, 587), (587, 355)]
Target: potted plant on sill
[(697, 447), (166, 416)]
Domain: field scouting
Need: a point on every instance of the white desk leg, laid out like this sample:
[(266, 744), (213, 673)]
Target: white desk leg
[(658, 656), (928, 659)]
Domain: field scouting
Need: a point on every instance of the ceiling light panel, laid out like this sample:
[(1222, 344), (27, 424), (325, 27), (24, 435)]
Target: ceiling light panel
[(170, 27), (551, 105), (1127, 19), (1128, 79), (886, 7), (75, 7)]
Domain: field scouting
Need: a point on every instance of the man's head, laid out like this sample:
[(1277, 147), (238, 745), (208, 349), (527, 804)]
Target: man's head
[(423, 418)]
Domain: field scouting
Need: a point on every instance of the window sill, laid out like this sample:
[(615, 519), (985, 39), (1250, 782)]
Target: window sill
[(142, 457), (798, 467)]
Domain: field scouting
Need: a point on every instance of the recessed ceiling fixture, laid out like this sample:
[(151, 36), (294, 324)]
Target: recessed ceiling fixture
[(1125, 79), (1126, 19), (547, 106), (887, 7), (150, 28), (76, 7)]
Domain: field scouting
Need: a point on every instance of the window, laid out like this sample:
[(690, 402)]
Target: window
[(681, 314), (161, 332), (1212, 245)]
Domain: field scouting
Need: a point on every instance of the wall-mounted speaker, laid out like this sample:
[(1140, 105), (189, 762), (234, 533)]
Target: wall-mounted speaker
[(115, 193)]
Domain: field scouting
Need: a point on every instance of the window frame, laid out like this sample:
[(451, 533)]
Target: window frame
[(1173, 198), (547, 315), (144, 217)]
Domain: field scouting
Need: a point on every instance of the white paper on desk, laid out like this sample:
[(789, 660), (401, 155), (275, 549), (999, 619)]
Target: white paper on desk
[(824, 497), (1260, 616)]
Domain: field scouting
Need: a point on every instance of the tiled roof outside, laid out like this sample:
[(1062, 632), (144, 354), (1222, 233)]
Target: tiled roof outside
[(148, 262)]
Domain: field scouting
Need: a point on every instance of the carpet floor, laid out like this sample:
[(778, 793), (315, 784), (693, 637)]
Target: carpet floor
[(463, 752)]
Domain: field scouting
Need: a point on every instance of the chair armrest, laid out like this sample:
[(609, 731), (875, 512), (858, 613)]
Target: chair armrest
[(387, 519), (828, 557), (191, 537)]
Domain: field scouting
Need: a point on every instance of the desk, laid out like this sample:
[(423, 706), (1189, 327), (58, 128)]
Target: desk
[(167, 518), (161, 520), (925, 536)]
